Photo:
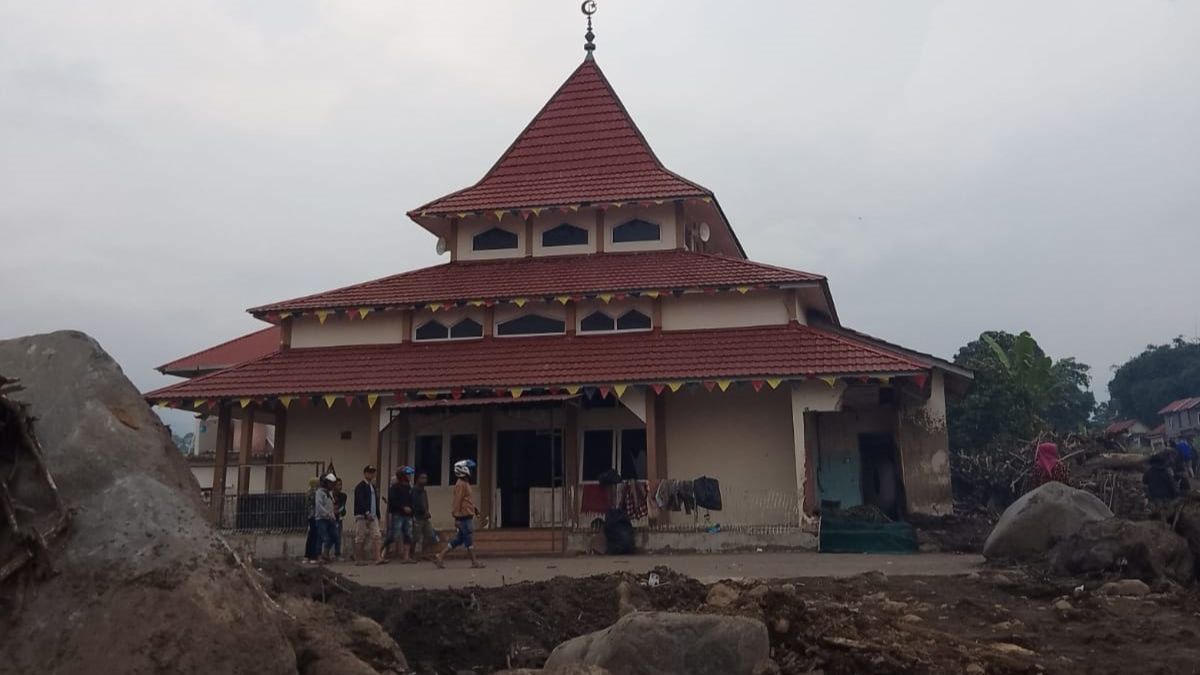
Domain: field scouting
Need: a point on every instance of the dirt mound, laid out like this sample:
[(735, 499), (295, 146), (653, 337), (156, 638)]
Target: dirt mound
[(1146, 550), (958, 533)]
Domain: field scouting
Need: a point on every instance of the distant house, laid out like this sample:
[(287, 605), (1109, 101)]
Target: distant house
[(1157, 438), (1181, 418), (1130, 433)]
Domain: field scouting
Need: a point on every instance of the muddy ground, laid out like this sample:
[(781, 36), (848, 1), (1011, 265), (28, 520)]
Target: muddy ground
[(992, 622)]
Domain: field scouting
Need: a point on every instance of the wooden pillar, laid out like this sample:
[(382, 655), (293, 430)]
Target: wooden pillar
[(452, 242), (224, 438), (285, 334), (489, 322), (374, 448), (656, 441), (789, 297), (486, 470), (245, 443), (811, 448), (599, 230), (572, 317), (656, 314), (680, 225), (529, 236), (571, 459), (406, 318), (280, 455)]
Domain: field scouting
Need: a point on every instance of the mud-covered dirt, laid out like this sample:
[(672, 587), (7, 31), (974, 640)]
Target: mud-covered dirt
[(1009, 621)]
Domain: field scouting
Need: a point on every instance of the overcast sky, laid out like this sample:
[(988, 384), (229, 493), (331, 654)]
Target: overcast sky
[(952, 167)]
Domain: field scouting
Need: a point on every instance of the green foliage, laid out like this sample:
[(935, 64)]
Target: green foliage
[(1018, 393), (1154, 378)]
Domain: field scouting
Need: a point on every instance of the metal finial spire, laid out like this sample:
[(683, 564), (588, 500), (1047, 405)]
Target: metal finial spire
[(589, 8)]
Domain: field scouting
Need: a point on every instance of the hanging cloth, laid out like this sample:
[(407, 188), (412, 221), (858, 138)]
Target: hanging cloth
[(707, 492), (634, 499)]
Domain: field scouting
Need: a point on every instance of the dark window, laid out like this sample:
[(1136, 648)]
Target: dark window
[(494, 239), (597, 453), (597, 321), (463, 446), (633, 320), (531, 324), (564, 235), (428, 458), (633, 454), (467, 328), (431, 330), (636, 230)]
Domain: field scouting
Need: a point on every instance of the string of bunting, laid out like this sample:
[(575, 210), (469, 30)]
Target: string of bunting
[(591, 391), (499, 214)]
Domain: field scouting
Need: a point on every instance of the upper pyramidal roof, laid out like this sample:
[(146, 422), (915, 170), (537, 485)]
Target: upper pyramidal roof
[(581, 148)]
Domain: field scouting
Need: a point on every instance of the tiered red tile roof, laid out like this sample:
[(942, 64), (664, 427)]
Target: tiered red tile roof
[(582, 147), (235, 351), (786, 351), (545, 276)]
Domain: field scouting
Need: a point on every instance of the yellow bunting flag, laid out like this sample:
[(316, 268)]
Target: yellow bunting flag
[(658, 201), (199, 402), (363, 312), (707, 200), (371, 399), (573, 207), (428, 394), (499, 214), (287, 401), (329, 400), (723, 384), (652, 294), (743, 289), (475, 303), (618, 204), (675, 386), (536, 212), (163, 404), (519, 302), (321, 314), (516, 392), (885, 380), (284, 315), (829, 380), (435, 306), (774, 382), (572, 389), (463, 215), (606, 297), (620, 389), (564, 299), (244, 402)]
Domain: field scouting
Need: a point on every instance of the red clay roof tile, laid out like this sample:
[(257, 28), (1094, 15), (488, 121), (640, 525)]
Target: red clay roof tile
[(765, 352), (1180, 405), (582, 147), (232, 352), (548, 276)]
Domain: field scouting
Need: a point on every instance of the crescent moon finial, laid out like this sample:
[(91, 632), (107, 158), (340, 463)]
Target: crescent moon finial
[(589, 8)]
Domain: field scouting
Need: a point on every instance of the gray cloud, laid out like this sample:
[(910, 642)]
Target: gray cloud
[(952, 167)]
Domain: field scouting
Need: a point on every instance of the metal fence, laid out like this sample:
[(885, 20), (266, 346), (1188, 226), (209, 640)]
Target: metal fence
[(269, 512), (743, 510)]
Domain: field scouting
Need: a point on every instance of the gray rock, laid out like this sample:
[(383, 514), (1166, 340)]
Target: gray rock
[(721, 595), (144, 584), (1135, 549), (1031, 525), (662, 643), (1127, 587)]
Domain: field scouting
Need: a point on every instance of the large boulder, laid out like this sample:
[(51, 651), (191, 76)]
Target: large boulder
[(1031, 525), (143, 583), (663, 643), (1146, 550)]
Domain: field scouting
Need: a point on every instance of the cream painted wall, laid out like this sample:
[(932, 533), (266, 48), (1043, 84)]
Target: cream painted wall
[(924, 449), (663, 214), (727, 310), (742, 438), (469, 227), (377, 328), (313, 434)]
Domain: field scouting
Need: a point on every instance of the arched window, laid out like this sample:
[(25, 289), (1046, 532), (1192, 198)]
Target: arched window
[(636, 230), (495, 239), (565, 235), (531, 324), (467, 328), (633, 320), (432, 330), (597, 321)]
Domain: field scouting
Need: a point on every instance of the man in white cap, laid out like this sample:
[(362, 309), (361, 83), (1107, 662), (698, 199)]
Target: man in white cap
[(326, 515)]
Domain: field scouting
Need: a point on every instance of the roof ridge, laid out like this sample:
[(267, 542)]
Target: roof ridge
[(748, 261), (202, 378), (390, 277), (216, 346), (865, 345)]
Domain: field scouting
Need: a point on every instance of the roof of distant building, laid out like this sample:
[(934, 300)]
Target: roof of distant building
[(1119, 427), (228, 353), (1180, 405)]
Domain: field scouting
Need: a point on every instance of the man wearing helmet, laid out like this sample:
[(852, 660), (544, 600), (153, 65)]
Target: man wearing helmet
[(464, 511)]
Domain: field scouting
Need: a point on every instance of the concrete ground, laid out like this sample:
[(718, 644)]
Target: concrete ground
[(705, 567)]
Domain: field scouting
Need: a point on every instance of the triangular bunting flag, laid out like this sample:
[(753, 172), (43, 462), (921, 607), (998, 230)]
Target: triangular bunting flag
[(709, 385), (619, 389), (757, 384), (363, 312), (674, 386), (244, 402), (349, 399), (456, 393), (885, 380), (435, 306), (723, 384), (536, 212), (499, 214), (321, 314), (743, 289), (284, 315), (603, 391), (400, 397), (920, 380), (606, 297), (563, 299), (774, 382), (618, 204), (286, 401), (198, 402), (519, 302), (500, 392), (430, 395), (707, 200), (572, 389), (329, 400), (516, 392), (371, 399), (829, 380), (658, 388), (163, 404), (653, 294)]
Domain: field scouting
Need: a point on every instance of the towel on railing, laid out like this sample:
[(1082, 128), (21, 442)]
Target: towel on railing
[(634, 498), (595, 499)]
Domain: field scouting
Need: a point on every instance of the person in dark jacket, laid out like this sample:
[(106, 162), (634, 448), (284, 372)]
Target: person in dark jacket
[(400, 515), (422, 520), (1160, 483), (366, 520)]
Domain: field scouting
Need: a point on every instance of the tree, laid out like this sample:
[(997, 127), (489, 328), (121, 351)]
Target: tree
[(1154, 378), (1018, 392)]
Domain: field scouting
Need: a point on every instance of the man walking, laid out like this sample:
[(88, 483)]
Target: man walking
[(326, 515), (366, 519), (400, 514), (464, 511), (422, 519)]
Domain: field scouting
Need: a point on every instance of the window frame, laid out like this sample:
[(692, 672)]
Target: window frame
[(476, 238), (616, 433), (612, 322), (417, 330), (450, 330), (500, 326), (562, 227), (633, 225)]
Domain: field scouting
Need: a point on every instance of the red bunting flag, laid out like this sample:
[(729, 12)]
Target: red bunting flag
[(757, 384), (658, 388), (399, 396), (500, 392), (920, 380), (709, 385), (603, 392), (349, 399), (456, 393)]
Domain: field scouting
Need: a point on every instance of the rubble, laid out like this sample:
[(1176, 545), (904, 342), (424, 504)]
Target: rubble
[(1146, 550)]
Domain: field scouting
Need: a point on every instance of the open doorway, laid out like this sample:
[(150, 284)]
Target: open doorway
[(528, 462), (881, 484)]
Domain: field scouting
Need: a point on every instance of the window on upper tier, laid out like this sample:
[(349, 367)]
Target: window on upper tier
[(597, 321), (636, 230), (531, 324), (495, 239), (432, 330), (467, 328), (633, 320), (565, 235)]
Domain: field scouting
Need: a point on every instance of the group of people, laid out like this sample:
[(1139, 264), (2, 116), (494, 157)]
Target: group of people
[(1166, 476), (409, 520)]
